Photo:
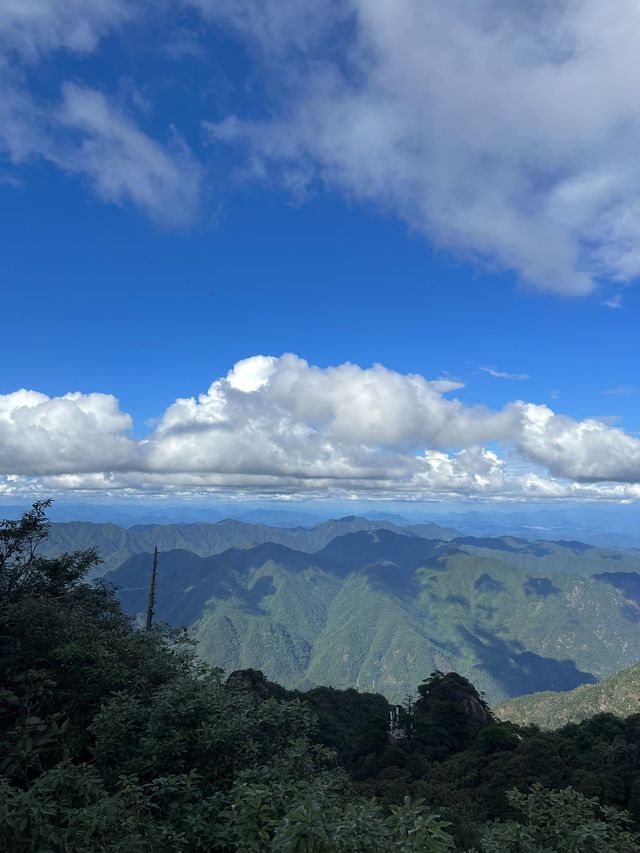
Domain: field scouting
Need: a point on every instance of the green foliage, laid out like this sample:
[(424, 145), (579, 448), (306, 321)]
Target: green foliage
[(194, 725), (321, 814), (24, 572), (496, 738), (563, 821), (61, 653), (68, 808)]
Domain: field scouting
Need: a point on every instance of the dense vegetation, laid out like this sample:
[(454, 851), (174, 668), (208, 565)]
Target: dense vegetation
[(376, 610), (116, 739)]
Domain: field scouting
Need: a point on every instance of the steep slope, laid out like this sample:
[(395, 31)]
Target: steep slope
[(619, 694), (377, 610)]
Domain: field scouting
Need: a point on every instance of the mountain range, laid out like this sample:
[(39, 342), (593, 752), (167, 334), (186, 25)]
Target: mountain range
[(116, 543), (379, 609)]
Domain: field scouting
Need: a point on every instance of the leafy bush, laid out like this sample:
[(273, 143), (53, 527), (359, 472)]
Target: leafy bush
[(563, 821)]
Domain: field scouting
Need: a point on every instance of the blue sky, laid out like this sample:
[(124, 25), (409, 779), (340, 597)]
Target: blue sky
[(116, 304), (175, 197)]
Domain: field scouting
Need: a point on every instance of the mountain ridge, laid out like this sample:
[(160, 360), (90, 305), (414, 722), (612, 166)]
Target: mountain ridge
[(116, 544)]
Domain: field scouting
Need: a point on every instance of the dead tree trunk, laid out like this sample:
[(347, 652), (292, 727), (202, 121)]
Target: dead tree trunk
[(152, 589)]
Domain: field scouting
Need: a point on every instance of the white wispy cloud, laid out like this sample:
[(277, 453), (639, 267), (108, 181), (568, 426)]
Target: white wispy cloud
[(31, 28), (281, 425), (84, 131), (502, 130), (614, 302), (503, 374), (621, 391)]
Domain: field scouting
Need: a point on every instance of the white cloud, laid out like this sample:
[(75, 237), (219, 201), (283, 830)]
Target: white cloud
[(84, 132), (581, 450), (445, 384), (502, 374), (614, 302), (78, 433), (503, 130), (336, 406), (276, 26), (281, 425), (29, 28), (124, 164)]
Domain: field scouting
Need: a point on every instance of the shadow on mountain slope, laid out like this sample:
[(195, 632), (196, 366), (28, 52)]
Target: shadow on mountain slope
[(521, 671), (627, 582)]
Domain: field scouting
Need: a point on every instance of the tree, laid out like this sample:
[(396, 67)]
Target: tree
[(24, 572)]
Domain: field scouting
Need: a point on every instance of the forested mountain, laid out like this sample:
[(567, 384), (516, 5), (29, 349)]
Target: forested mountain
[(119, 739), (618, 694), (540, 555), (374, 609), (116, 544)]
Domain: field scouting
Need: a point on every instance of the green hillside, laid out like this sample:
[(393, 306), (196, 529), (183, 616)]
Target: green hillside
[(375, 610), (619, 694)]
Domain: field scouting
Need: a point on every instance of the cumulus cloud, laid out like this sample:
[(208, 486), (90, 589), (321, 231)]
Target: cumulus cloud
[(281, 425), (78, 433), (347, 405), (583, 450), (83, 131), (502, 130)]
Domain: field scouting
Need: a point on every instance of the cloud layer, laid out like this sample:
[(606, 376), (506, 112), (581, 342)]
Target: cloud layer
[(504, 131), (283, 426), (501, 130)]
